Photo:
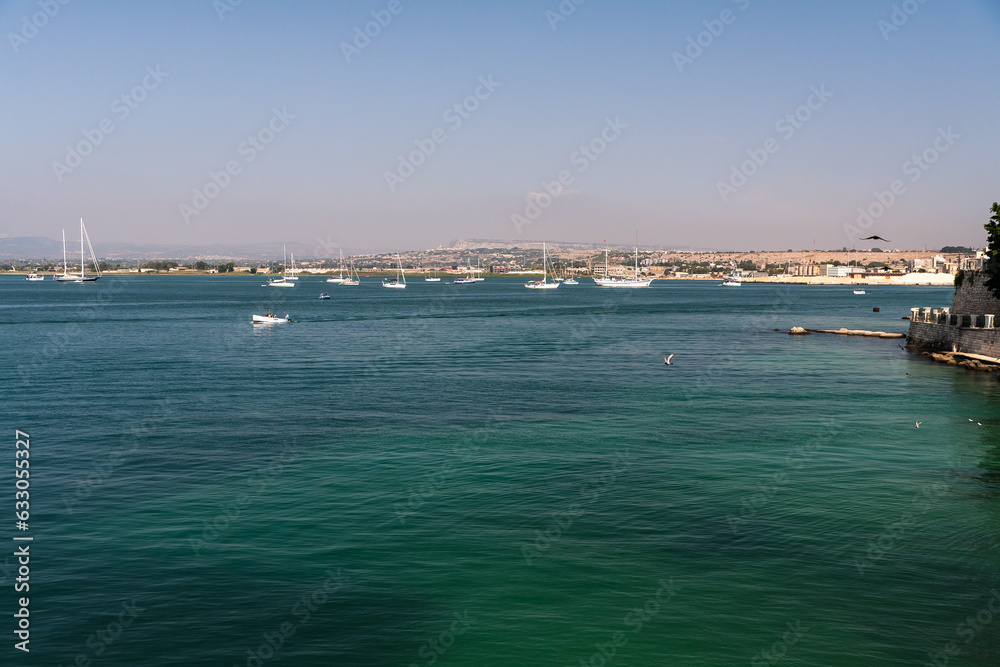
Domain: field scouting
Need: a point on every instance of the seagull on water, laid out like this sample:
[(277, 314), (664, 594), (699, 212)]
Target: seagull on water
[(667, 361), (918, 424)]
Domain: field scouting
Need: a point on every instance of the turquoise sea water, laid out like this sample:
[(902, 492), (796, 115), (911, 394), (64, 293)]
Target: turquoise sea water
[(488, 475)]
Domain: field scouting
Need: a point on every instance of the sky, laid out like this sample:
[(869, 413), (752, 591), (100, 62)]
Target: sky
[(382, 125)]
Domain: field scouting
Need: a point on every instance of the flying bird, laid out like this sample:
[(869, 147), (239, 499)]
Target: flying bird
[(667, 361), (875, 238), (918, 424)]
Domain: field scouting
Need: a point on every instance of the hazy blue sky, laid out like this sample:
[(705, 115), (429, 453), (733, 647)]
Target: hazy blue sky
[(200, 77)]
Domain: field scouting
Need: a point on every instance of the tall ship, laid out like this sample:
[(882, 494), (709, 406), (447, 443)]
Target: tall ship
[(624, 281), (66, 276)]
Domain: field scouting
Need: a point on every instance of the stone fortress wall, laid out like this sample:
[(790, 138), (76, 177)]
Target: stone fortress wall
[(969, 326)]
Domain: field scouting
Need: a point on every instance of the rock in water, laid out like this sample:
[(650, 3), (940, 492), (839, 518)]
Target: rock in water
[(798, 331)]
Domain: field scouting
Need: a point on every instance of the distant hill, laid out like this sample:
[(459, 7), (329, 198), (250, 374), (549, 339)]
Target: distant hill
[(25, 248), (30, 247)]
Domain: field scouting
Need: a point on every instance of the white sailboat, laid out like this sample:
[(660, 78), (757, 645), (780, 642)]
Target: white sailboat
[(544, 282), (467, 280), (339, 280), (399, 282), (68, 277), (291, 272), (622, 281), (352, 279), (283, 281)]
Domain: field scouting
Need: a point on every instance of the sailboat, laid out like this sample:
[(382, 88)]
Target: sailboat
[(68, 277), (399, 282), (339, 280), (432, 278), (291, 272), (544, 282), (283, 281), (351, 280), (479, 272), (621, 281), (467, 280)]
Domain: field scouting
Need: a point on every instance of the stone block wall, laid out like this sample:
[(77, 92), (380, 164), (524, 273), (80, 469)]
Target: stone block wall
[(947, 338), (966, 328), (972, 297)]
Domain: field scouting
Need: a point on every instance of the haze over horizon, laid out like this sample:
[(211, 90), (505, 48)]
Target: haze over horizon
[(290, 122)]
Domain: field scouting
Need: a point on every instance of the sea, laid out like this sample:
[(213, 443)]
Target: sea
[(459, 475)]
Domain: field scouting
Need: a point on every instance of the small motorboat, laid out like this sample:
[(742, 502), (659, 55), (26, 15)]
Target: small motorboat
[(324, 295), (859, 291), (463, 281), (271, 318), (570, 281), (34, 278)]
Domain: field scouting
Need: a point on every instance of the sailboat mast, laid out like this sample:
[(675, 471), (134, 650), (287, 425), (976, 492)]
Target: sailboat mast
[(545, 271), (637, 254), (65, 264), (82, 265)]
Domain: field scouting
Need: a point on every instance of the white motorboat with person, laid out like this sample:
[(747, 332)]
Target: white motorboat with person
[(271, 318)]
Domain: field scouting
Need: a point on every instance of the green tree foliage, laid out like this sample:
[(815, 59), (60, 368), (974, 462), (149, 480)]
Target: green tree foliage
[(991, 269), (159, 265), (200, 266), (950, 249), (227, 267)]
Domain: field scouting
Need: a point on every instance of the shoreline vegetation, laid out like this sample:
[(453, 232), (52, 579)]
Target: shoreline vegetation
[(872, 266), (910, 279)]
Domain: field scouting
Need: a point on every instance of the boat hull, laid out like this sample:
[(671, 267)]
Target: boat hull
[(601, 282), (270, 319)]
